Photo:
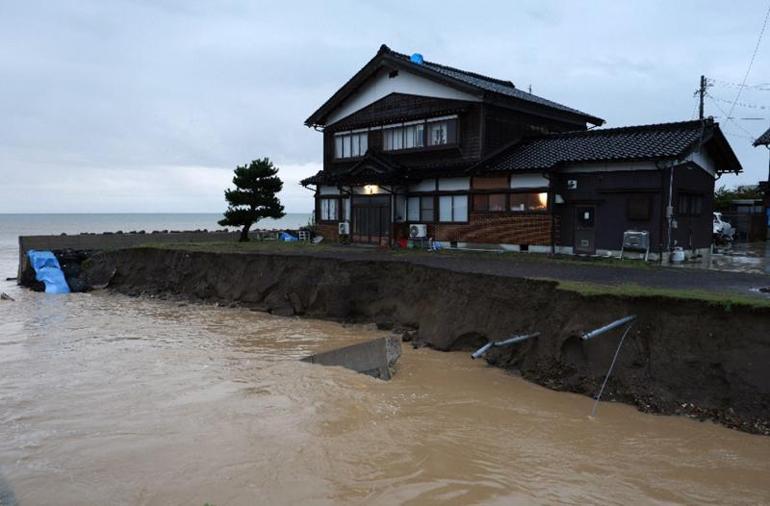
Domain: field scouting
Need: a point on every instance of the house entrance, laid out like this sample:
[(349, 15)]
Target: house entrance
[(585, 230), (371, 219)]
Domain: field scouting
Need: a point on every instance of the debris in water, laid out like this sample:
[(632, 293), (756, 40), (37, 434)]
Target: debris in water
[(375, 358), (5, 296)]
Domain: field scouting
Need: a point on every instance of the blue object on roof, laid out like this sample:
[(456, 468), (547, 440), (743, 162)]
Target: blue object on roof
[(416, 58), (48, 271), (285, 236)]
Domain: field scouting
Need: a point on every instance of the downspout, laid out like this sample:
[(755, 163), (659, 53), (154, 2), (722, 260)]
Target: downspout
[(667, 211), (670, 208)]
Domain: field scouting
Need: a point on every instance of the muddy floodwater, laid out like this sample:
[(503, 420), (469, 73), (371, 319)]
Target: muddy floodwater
[(107, 399)]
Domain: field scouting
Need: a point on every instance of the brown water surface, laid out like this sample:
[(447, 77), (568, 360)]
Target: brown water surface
[(106, 399)]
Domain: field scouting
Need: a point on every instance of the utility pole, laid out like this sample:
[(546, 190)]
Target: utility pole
[(702, 94)]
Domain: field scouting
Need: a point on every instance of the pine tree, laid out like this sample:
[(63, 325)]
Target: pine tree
[(254, 196)]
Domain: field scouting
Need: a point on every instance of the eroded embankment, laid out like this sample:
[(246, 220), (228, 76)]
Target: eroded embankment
[(682, 356)]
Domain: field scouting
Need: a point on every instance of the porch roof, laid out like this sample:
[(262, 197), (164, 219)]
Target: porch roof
[(372, 168)]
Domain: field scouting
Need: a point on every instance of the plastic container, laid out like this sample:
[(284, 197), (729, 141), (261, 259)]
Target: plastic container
[(677, 256)]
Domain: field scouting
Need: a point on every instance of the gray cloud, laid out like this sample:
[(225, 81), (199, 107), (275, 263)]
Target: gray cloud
[(129, 105)]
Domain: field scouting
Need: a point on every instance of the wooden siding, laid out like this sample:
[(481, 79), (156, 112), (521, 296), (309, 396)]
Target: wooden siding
[(397, 108), (504, 126), (693, 231), (610, 192)]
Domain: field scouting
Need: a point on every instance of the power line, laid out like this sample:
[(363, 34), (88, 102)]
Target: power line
[(751, 62), (755, 87), (741, 104), (728, 117)]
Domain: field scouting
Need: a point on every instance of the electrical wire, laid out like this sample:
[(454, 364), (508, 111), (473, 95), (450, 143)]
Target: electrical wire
[(728, 117), (751, 62), (742, 104), (756, 87)]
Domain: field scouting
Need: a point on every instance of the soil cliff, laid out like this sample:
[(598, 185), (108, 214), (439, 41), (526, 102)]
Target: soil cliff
[(681, 357)]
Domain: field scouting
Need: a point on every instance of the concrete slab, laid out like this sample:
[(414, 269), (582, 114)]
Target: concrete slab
[(375, 358)]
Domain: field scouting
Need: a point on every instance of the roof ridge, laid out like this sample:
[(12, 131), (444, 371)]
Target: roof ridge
[(502, 82), (628, 128)]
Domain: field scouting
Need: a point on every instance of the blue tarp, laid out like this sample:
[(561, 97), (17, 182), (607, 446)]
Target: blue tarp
[(48, 271), (285, 236)]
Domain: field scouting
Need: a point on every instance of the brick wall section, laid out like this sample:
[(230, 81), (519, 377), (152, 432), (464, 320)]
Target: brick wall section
[(494, 228)]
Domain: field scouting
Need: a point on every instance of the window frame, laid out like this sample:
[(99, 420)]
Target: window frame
[(422, 197), (509, 194), (453, 196), (488, 197), (346, 139), (337, 202), (402, 128), (529, 191)]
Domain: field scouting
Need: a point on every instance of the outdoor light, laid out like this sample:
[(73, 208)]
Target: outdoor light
[(543, 199), (371, 189)]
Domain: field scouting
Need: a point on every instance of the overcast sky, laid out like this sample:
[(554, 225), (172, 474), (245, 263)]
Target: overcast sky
[(147, 106)]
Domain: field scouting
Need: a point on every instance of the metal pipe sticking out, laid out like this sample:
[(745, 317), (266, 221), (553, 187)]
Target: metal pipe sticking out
[(512, 340), (607, 328), (481, 351)]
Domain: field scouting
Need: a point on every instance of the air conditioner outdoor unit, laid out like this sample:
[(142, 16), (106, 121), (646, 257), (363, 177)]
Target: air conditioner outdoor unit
[(343, 228), (636, 240), (419, 231)]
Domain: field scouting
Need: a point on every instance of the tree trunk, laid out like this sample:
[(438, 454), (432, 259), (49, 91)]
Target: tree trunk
[(245, 233)]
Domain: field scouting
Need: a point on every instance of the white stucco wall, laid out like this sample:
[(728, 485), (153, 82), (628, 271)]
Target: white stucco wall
[(380, 86), (328, 190), (427, 185), (529, 181), (454, 184)]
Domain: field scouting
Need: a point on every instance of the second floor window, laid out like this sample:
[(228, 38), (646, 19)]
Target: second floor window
[(351, 145), (438, 133), (416, 135)]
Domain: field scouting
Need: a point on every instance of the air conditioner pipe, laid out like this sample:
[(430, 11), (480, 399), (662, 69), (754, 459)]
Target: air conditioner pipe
[(607, 328), (513, 340)]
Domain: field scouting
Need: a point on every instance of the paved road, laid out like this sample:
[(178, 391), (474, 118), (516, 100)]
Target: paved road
[(524, 266)]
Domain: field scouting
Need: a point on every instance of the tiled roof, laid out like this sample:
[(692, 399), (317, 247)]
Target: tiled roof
[(476, 84), (491, 84), (764, 139), (658, 141)]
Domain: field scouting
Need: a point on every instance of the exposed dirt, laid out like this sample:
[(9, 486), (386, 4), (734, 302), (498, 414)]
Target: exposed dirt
[(681, 357)]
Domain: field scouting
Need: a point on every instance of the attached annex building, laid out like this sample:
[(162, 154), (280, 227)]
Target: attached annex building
[(476, 162)]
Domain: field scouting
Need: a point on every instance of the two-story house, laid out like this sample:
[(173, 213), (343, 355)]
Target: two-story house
[(411, 145)]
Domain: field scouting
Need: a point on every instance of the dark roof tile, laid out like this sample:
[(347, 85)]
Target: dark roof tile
[(659, 141), (764, 139), (499, 86)]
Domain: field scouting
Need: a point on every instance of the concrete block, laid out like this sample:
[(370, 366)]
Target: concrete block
[(376, 358)]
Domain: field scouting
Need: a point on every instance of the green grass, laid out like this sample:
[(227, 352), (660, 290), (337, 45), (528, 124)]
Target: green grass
[(726, 300)]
